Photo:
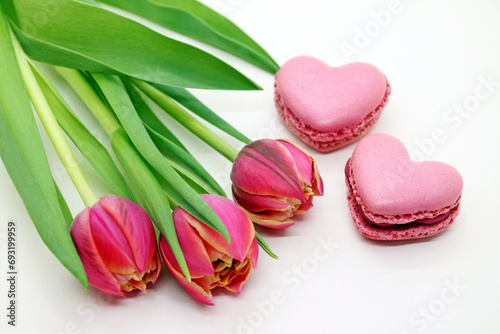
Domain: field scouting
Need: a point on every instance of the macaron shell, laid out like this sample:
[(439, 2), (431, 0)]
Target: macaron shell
[(329, 99), (389, 183)]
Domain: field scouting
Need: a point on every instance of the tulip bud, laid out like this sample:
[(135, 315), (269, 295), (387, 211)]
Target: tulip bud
[(212, 261), (116, 242), (273, 180)]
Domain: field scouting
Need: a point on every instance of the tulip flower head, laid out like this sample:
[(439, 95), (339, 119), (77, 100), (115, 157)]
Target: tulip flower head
[(273, 180), (116, 242), (212, 261)]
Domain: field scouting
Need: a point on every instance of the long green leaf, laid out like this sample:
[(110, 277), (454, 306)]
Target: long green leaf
[(167, 143), (24, 158), (181, 193), (189, 178), (64, 206), (188, 165), (188, 100), (187, 120), (148, 116), (194, 19), (84, 36), (167, 187), (97, 155), (148, 192)]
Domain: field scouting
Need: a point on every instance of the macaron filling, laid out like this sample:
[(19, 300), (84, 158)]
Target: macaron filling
[(425, 221)]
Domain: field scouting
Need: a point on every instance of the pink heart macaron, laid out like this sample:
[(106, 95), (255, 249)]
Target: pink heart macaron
[(329, 107), (392, 197)]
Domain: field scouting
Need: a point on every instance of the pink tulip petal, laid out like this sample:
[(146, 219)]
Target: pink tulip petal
[(239, 226), (111, 242), (140, 241), (305, 206), (192, 246), (271, 223), (97, 273), (253, 252), (213, 253), (317, 181), (257, 203), (303, 160), (192, 288), (271, 219), (239, 278), (207, 282), (153, 269), (266, 167), (274, 217), (307, 167), (140, 285)]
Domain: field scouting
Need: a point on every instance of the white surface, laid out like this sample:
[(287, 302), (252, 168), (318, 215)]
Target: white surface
[(435, 55)]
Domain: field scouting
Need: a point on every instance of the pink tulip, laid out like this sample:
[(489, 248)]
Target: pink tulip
[(212, 261), (117, 245), (273, 180)]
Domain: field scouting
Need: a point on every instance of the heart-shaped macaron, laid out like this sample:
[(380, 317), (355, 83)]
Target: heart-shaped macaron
[(329, 107), (392, 197)]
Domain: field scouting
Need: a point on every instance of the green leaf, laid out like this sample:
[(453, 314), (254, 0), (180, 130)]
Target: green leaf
[(87, 37), (188, 100), (181, 193), (168, 144), (185, 163), (194, 19), (90, 2), (169, 189), (187, 120), (64, 206), (193, 182), (24, 158), (188, 177), (97, 155), (148, 192), (148, 116)]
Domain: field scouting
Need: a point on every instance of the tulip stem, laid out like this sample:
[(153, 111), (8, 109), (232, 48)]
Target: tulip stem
[(93, 101), (187, 120), (53, 129)]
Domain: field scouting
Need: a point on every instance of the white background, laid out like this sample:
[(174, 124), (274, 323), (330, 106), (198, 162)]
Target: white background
[(435, 55)]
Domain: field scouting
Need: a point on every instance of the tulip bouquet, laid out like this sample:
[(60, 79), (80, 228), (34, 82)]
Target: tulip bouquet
[(165, 205)]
